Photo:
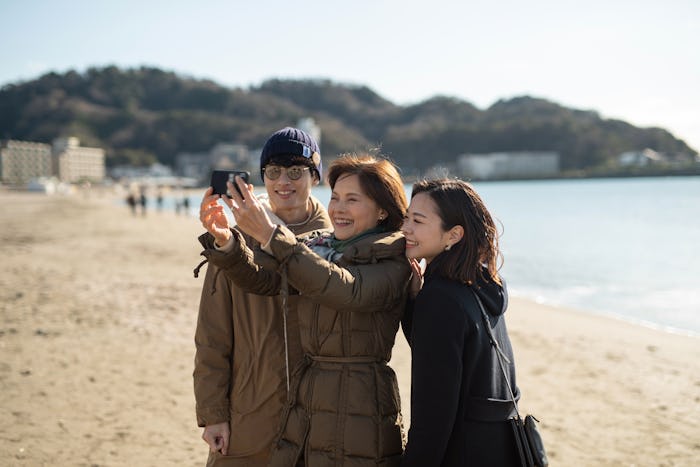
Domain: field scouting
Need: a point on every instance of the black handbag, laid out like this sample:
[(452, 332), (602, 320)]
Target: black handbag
[(527, 436)]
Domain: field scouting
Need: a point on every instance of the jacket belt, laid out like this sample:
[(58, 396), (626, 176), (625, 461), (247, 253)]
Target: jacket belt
[(359, 359), (488, 410)]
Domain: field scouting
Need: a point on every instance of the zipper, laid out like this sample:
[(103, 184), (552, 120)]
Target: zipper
[(314, 329)]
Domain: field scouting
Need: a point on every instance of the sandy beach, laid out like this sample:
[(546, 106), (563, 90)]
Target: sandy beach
[(97, 316)]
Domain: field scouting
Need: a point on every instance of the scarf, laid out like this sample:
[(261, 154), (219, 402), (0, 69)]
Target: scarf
[(331, 249)]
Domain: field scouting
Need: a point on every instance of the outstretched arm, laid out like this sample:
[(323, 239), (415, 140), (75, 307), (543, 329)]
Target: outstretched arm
[(253, 271), (360, 287), (238, 262)]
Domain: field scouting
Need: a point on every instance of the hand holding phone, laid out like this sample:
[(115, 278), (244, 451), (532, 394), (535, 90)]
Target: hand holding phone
[(220, 177)]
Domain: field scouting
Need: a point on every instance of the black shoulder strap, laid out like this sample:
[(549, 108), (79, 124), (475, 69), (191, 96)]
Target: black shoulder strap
[(499, 353)]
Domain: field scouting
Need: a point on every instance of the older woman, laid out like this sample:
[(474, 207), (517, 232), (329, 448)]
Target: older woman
[(344, 406)]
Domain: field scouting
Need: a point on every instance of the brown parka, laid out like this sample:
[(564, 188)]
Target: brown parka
[(344, 405), (240, 373)]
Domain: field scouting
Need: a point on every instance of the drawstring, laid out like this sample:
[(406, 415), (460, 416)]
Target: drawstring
[(213, 281), (199, 266), (285, 293)]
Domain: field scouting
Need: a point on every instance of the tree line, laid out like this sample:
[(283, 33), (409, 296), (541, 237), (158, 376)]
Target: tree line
[(143, 115)]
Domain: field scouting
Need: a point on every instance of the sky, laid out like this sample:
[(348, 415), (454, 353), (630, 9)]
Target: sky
[(638, 61)]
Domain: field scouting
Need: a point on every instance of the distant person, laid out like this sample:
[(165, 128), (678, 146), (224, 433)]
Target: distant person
[(131, 202), (343, 406), (246, 347), (460, 400), (159, 199), (186, 205), (142, 201), (178, 200)]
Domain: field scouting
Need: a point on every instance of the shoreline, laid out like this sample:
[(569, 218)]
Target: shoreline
[(646, 324), (97, 322), (694, 172)]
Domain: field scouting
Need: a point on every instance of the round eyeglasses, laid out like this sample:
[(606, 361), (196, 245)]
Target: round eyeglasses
[(294, 172)]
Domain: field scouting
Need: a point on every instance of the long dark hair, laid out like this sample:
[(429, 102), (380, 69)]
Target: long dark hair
[(379, 179), (476, 255)]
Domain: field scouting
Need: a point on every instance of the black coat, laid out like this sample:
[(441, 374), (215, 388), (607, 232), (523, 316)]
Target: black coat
[(459, 398)]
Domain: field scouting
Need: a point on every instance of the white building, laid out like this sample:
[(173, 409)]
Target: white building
[(640, 158), (22, 161), (309, 125), (522, 164), (74, 163)]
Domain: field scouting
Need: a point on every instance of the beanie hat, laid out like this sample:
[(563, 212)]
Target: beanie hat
[(291, 142)]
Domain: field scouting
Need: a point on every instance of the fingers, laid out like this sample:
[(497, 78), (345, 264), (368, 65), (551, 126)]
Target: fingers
[(217, 437), (209, 195), (243, 205), (210, 439), (229, 202), (206, 214), (246, 189), (235, 196), (415, 266), (218, 444), (216, 223), (416, 282), (225, 438), (208, 199)]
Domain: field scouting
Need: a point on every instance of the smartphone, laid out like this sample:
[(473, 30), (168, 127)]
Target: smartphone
[(220, 177)]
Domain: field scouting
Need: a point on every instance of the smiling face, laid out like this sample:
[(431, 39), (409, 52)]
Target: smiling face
[(425, 237), (351, 210), (289, 199)]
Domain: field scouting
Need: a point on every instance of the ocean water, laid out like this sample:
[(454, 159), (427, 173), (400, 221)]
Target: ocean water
[(624, 247), (628, 248)]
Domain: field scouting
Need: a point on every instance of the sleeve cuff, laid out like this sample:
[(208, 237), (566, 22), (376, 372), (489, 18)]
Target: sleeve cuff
[(212, 415), (266, 247), (228, 246)]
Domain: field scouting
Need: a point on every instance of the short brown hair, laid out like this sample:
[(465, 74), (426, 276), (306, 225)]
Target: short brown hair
[(458, 203), (379, 179)]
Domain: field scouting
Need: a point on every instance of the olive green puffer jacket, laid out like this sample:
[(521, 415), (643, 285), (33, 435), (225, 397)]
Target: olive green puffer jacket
[(344, 407)]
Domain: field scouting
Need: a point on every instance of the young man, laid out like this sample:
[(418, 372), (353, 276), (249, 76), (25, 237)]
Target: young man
[(244, 354)]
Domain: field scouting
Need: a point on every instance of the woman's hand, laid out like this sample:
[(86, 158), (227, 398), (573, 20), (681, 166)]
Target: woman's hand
[(416, 278), (213, 217), (250, 215)]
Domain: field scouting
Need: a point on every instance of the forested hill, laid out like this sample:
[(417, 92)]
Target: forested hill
[(146, 114)]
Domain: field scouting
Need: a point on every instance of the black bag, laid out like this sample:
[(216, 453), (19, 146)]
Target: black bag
[(529, 442), (527, 436)]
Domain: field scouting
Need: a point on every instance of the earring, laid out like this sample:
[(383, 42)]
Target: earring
[(381, 218), (447, 248)]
